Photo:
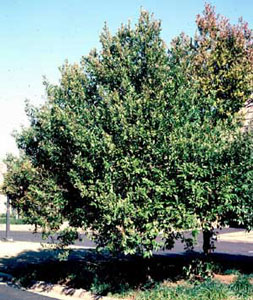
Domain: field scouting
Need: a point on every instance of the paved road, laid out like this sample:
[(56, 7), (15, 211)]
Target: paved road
[(232, 248), (27, 236), (238, 248), (10, 293)]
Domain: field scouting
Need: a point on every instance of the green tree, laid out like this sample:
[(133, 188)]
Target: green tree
[(129, 146), (215, 158), (219, 60), (97, 151)]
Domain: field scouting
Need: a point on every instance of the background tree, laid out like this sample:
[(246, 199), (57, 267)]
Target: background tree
[(219, 59), (130, 146)]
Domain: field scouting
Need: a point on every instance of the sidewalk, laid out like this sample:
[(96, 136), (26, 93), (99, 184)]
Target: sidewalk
[(21, 227), (26, 227), (235, 237), (12, 249)]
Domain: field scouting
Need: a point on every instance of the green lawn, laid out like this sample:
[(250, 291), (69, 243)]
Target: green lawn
[(241, 289), (12, 220)]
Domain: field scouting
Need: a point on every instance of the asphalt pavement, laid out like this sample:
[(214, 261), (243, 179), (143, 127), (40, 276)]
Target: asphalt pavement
[(28, 236), (234, 248), (11, 293)]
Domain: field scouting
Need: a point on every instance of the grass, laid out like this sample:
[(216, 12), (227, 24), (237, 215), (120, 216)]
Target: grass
[(241, 289), (13, 221)]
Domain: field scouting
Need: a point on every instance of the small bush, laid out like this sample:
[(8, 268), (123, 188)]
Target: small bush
[(200, 270)]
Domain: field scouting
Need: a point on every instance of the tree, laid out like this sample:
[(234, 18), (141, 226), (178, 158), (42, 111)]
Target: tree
[(95, 153), (219, 59), (129, 147), (217, 158)]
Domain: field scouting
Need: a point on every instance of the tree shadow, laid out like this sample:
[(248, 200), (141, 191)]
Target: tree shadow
[(101, 273)]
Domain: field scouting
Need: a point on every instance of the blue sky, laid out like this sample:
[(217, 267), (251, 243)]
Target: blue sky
[(38, 35)]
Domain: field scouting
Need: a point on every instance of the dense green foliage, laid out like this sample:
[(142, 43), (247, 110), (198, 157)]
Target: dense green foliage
[(129, 147)]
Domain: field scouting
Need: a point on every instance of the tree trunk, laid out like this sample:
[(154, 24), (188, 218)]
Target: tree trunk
[(207, 244), (7, 231)]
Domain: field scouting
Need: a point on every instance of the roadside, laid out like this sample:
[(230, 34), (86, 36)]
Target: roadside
[(236, 240), (54, 292), (39, 252), (63, 292), (8, 292)]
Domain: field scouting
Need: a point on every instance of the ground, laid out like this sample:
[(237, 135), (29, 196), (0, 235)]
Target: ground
[(19, 251)]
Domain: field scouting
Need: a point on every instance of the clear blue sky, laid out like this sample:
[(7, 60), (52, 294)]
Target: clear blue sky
[(38, 35)]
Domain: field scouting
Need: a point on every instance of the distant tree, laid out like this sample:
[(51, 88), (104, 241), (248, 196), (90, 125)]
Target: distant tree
[(130, 146), (219, 60)]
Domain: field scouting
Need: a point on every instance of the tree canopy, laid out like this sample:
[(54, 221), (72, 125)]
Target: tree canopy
[(138, 142)]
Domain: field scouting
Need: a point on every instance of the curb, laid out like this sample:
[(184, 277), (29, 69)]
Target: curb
[(57, 291), (64, 292), (61, 292), (5, 277)]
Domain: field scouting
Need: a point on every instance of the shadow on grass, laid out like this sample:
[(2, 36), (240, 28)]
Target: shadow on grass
[(102, 273)]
